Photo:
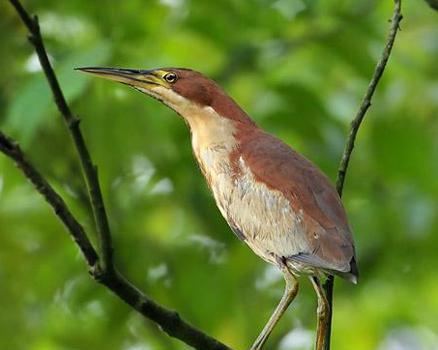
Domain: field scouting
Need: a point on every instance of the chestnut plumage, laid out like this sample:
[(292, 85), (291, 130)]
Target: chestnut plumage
[(274, 199)]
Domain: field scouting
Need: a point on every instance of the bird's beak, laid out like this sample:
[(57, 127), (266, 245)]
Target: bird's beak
[(140, 79)]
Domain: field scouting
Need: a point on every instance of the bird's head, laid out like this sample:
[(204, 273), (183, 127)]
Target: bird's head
[(186, 91)]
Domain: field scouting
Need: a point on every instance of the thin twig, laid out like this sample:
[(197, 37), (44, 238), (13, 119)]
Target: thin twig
[(355, 124), (13, 151), (72, 122), (366, 102)]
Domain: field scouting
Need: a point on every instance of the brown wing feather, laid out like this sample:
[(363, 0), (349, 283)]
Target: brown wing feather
[(330, 243)]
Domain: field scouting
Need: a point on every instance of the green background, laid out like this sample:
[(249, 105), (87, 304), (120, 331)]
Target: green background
[(299, 68)]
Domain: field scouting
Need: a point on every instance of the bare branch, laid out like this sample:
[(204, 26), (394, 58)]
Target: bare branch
[(366, 101), (168, 320), (72, 122), (355, 124), (13, 151)]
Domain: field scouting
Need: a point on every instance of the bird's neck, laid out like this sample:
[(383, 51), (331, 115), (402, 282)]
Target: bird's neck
[(214, 138), (211, 130)]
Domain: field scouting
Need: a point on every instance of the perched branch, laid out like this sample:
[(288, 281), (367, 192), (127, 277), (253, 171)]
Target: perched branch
[(72, 122), (355, 124)]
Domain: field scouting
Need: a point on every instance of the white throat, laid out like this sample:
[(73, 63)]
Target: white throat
[(208, 128)]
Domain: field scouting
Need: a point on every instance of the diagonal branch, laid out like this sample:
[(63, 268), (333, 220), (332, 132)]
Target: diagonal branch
[(366, 101), (11, 149), (355, 124), (72, 122), (168, 320)]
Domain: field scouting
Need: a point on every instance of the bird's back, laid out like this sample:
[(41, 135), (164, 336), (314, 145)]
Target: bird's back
[(324, 229)]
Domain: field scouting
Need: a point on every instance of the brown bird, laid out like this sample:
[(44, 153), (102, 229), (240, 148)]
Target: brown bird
[(274, 199)]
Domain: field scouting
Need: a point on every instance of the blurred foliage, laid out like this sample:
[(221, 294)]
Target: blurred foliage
[(299, 67)]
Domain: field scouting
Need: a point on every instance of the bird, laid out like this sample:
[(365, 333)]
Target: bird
[(274, 199)]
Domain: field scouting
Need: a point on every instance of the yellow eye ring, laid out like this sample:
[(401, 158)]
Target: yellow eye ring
[(170, 77)]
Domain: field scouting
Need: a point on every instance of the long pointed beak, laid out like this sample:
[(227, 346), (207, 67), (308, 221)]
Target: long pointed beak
[(145, 79)]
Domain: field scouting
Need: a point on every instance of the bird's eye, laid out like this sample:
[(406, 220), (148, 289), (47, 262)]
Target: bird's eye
[(170, 77)]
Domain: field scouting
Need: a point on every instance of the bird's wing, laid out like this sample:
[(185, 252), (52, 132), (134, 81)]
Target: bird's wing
[(309, 191)]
